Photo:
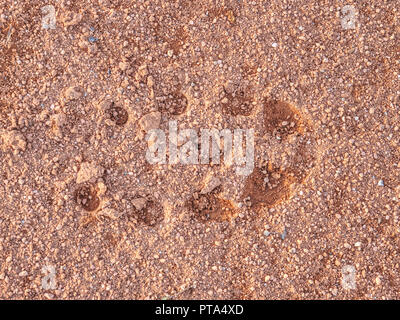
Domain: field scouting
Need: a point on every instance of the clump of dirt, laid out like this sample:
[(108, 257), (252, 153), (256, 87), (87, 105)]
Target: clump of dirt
[(267, 186), (357, 91), (174, 103), (281, 119), (151, 214), (117, 114), (86, 197), (236, 103), (210, 207)]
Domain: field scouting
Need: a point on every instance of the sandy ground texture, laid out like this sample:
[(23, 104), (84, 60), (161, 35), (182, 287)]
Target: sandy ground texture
[(84, 215)]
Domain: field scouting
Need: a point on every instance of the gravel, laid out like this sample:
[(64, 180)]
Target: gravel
[(337, 79)]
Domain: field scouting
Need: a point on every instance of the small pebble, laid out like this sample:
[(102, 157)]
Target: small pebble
[(23, 274), (92, 39)]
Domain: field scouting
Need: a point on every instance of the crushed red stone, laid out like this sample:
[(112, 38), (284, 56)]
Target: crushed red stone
[(84, 215)]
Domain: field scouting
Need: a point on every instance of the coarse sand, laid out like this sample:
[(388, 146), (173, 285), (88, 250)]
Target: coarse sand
[(85, 215)]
